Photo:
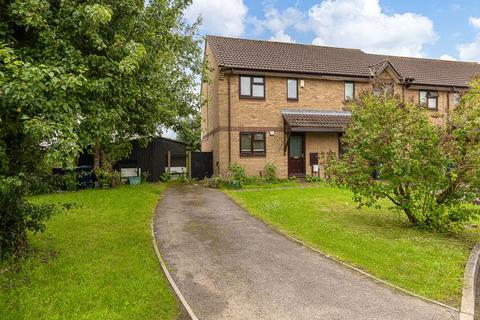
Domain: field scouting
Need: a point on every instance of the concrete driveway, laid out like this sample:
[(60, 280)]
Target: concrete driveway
[(230, 265)]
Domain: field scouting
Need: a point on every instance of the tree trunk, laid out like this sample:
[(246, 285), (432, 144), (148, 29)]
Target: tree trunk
[(97, 158), (411, 217), (97, 162)]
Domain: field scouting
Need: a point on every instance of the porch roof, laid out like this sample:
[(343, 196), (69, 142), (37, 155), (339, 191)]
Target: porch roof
[(315, 120)]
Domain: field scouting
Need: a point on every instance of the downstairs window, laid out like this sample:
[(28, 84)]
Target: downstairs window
[(252, 143)]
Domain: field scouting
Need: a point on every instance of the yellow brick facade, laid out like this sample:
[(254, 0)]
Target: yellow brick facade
[(253, 115)]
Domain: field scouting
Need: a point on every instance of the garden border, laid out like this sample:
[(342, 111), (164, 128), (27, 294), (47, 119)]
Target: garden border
[(467, 309), (177, 291), (369, 275)]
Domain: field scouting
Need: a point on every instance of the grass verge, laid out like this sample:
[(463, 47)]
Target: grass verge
[(95, 261), (378, 241)]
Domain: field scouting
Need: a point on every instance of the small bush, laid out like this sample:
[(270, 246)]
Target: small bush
[(236, 173), (104, 177), (309, 178), (271, 172), (70, 180), (254, 180), (144, 176), (215, 182), (166, 177), (182, 178), (43, 183)]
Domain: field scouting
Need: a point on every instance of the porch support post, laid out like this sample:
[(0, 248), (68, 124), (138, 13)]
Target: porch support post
[(286, 136)]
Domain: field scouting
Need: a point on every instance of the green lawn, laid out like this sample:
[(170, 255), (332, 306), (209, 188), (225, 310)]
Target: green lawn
[(285, 184), (377, 241), (93, 262)]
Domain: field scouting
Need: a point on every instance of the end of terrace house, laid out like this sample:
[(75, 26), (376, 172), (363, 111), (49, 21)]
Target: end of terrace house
[(284, 103)]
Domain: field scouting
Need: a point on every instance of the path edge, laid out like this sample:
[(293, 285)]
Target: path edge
[(467, 309), (349, 266), (174, 286)]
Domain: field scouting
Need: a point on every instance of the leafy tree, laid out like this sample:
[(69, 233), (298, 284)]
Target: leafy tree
[(189, 131), (429, 172), (78, 75)]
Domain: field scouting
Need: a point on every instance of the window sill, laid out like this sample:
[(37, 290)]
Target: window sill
[(252, 98), (252, 155), (292, 100)]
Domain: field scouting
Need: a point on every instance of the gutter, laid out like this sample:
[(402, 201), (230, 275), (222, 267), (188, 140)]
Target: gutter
[(285, 73)]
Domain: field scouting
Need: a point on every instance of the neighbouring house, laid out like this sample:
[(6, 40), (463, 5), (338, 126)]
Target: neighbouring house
[(284, 103)]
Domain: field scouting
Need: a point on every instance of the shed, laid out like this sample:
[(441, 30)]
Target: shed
[(153, 158)]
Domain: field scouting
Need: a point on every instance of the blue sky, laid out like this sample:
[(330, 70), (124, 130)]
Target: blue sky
[(424, 28)]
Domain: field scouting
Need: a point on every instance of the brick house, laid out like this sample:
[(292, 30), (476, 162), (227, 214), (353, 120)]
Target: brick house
[(283, 103)]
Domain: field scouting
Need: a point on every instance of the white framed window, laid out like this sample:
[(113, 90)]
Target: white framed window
[(292, 89), (252, 87), (349, 90), (428, 99)]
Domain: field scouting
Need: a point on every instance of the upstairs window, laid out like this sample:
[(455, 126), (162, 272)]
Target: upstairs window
[(292, 89), (349, 92), (252, 87), (252, 143), (429, 99)]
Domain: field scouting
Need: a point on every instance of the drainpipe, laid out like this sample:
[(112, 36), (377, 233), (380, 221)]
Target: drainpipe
[(229, 120), (447, 112), (406, 84)]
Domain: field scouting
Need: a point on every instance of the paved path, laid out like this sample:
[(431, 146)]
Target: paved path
[(230, 265)]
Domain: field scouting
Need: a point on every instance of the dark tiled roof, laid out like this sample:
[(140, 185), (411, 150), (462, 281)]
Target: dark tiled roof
[(314, 119), (298, 58)]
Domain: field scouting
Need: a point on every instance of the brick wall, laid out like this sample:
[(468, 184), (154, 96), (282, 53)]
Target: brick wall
[(321, 143)]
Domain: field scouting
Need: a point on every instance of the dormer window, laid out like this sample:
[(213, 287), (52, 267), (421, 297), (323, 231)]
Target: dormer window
[(252, 87)]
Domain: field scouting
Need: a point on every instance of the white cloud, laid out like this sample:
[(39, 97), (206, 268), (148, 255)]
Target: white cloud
[(471, 51), (475, 22), (277, 21), (281, 36), (363, 24), (256, 24), (447, 57), (220, 17)]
